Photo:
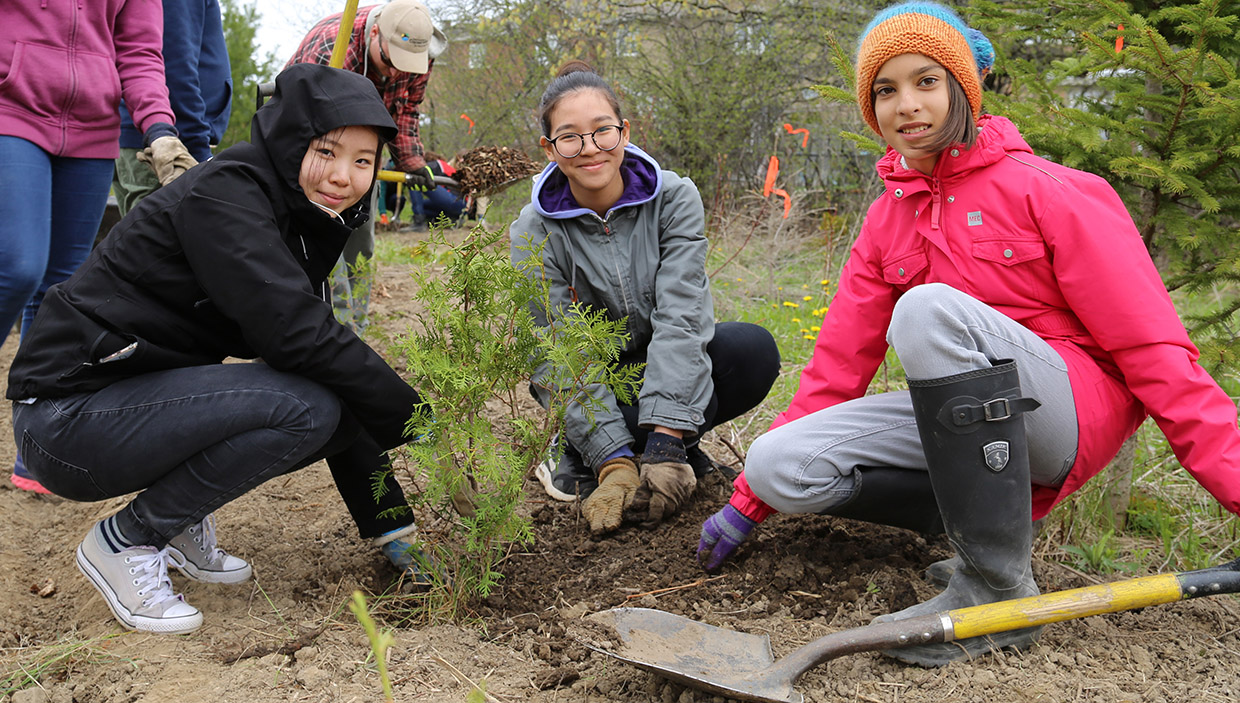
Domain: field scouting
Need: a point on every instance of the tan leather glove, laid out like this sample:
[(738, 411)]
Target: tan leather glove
[(617, 483), (665, 488), (168, 158)]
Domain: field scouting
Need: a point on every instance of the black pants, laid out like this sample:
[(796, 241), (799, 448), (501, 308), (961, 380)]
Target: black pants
[(744, 365)]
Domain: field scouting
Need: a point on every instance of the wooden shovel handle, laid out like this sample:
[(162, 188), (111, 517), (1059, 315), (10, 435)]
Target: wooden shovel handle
[(1005, 616), (1092, 600)]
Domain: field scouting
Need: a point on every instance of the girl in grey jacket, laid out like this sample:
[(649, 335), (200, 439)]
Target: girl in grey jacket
[(618, 233)]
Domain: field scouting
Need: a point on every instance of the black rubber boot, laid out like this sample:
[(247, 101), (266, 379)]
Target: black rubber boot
[(974, 438), (940, 572), (895, 497)]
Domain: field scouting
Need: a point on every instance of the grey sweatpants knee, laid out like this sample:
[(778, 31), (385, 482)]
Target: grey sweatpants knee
[(806, 466)]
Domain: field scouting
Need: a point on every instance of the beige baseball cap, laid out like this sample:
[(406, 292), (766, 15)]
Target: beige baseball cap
[(407, 27)]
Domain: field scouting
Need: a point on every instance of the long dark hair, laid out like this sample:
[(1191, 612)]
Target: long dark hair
[(572, 77)]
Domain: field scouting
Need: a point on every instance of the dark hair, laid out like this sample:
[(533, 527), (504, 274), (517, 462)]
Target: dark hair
[(958, 127), (572, 77)]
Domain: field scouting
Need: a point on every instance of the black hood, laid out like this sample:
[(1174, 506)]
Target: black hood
[(311, 100)]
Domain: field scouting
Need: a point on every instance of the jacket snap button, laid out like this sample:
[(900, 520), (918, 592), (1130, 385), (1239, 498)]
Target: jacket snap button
[(1007, 253), (955, 152), (900, 271), (951, 198), (899, 193), (916, 213)]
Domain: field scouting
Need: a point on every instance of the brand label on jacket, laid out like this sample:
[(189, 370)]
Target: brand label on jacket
[(975, 219)]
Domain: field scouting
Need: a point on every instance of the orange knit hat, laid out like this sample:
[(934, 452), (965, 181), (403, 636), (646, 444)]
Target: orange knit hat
[(924, 28)]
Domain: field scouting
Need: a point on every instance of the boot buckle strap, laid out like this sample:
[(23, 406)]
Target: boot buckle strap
[(997, 409), (994, 410)]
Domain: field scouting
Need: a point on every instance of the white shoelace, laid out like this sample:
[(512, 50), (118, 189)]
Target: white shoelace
[(210, 547), (151, 571), (207, 544)]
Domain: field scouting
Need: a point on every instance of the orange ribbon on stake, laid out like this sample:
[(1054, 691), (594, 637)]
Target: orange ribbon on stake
[(772, 170), (787, 200), (471, 123), (1119, 40), (768, 185), (802, 131)]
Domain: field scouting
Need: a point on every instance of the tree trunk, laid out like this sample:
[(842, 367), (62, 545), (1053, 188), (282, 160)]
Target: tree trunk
[(1119, 493)]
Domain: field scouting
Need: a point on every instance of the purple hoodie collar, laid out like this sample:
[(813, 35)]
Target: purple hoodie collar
[(643, 179)]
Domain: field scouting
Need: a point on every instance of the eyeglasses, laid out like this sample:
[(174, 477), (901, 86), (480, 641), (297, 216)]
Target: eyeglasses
[(383, 55), (571, 144)]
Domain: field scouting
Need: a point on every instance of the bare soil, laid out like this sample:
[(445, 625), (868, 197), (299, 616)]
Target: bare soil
[(288, 636)]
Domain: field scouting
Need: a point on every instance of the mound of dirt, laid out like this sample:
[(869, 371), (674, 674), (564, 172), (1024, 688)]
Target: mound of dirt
[(287, 635)]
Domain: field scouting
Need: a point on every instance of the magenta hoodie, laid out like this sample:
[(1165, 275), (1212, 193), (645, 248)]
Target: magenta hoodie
[(66, 64)]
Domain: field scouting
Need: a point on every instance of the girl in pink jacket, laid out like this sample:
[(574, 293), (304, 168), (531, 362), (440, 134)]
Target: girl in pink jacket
[(1034, 330)]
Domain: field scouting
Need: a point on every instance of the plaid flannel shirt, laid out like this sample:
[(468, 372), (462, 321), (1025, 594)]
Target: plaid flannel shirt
[(402, 95)]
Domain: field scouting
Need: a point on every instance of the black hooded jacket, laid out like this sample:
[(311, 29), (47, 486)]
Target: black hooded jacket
[(228, 260)]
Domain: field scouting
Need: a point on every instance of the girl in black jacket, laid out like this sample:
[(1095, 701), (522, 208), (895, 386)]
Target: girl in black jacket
[(119, 385)]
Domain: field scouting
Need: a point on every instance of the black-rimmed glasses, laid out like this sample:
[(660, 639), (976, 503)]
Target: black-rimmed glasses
[(571, 144)]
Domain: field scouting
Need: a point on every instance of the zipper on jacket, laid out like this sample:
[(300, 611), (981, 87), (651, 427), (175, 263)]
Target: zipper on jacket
[(624, 293), (936, 203), (73, 81)]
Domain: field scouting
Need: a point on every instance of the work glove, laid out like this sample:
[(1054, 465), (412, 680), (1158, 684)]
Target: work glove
[(722, 533), (422, 179), (617, 484), (165, 153), (667, 480)]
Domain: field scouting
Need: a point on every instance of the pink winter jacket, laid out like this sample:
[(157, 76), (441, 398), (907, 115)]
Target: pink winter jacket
[(65, 64), (1054, 249)]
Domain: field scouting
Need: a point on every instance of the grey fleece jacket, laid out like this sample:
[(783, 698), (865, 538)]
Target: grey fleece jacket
[(646, 262)]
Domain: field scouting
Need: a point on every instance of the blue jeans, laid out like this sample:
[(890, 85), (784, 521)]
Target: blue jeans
[(193, 439), (432, 204), (49, 214)]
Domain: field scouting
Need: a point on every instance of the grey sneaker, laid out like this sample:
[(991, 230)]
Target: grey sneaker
[(195, 553), (566, 477), (136, 587)]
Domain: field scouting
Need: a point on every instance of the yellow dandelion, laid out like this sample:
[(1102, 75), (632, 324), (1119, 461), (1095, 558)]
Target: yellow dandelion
[(809, 337), (796, 319), (815, 329), (807, 298), (826, 282), (789, 304)]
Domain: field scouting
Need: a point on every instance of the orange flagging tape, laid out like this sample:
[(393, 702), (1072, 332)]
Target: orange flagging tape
[(787, 200), (772, 170), (1119, 40), (802, 131), (470, 121)]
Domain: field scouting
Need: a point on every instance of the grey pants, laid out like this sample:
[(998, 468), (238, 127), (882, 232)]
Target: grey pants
[(806, 466)]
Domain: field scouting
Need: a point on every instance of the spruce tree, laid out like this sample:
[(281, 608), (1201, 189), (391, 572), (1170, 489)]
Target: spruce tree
[(1157, 115)]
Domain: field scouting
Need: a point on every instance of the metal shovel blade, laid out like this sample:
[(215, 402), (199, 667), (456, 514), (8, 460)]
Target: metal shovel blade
[(708, 658), (738, 665)]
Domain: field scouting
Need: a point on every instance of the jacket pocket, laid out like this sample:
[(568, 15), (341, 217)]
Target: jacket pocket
[(38, 80), (97, 95), (1009, 252), (904, 269)]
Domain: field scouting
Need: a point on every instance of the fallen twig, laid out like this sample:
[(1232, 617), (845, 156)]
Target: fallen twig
[(463, 678), (669, 589)]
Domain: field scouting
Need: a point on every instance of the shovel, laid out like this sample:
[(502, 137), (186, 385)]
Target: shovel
[(740, 665)]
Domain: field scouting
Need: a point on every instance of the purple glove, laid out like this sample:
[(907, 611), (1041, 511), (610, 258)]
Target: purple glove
[(722, 533)]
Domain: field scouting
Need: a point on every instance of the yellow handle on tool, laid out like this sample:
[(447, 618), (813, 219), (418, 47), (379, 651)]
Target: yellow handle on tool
[(1065, 605), (342, 36)]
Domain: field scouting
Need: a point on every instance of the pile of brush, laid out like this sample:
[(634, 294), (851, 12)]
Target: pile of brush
[(488, 169)]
